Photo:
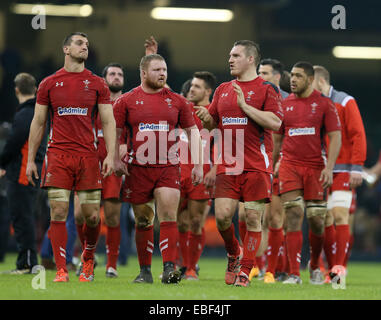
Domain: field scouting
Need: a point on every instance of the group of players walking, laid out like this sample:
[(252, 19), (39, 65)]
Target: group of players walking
[(253, 148)]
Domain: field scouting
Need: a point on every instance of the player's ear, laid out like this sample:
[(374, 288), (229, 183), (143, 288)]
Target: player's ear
[(65, 49)]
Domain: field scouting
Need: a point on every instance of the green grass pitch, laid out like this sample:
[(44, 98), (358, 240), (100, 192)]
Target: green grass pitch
[(363, 282)]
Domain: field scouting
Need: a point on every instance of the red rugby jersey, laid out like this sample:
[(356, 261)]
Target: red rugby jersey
[(353, 148), (305, 123), (152, 122), (72, 98), (245, 145)]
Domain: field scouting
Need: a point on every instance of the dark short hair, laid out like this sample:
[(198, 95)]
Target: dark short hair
[(186, 87), (276, 65), (284, 82), (110, 65), (322, 72), (26, 83), (251, 48), (146, 60), (208, 77), (68, 39), (306, 66)]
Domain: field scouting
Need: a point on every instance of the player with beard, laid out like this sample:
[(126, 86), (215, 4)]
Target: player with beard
[(150, 113), (304, 172), (72, 96), (111, 185), (247, 108), (194, 207)]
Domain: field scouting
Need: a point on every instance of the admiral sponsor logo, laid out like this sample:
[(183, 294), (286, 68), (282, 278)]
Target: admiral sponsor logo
[(72, 111), (301, 131), (153, 127), (226, 121)]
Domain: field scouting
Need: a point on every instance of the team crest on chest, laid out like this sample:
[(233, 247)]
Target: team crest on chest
[(313, 107), (249, 94), (86, 82), (169, 102)]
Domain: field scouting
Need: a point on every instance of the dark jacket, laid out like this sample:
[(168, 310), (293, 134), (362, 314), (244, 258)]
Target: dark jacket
[(15, 153)]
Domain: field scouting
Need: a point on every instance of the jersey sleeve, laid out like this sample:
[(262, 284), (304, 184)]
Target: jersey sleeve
[(120, 112), (331, 117), (273, 102), (356, 132), (186, 119), (43, 93), (213, 106), (104, 93)]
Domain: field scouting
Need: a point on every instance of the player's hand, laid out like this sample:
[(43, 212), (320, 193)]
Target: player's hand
[(240, 96), (120, 168), (122, 151), (203, 113), (326, 178), (107, 167), (2, 173), (31, 172), (276, 169), (355, 180), (151, 46), (210, 178), (197, 174)]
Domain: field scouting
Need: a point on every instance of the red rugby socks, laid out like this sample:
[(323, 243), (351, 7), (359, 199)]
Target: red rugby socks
[(112, 246), (168, 241), (184, 247), (144, 245), (342, 242), (294, 242), (275, 241), (91, 238), (330, 245), (231, 242), (58, 237), (250, 248), (316, 246), (195, 250)]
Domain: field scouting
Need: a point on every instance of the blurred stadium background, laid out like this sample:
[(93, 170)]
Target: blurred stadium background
[(288, 30)]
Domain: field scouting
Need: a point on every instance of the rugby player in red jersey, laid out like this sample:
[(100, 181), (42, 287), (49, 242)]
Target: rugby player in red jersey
[(151, 112), (272, 70), (245, 110), (304, 172), (347, 172), (194, 199), (111, 185), (72, 97)]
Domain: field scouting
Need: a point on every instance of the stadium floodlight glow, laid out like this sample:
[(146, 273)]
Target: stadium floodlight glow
[(70, 10), (192, 14), (347, 52)]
